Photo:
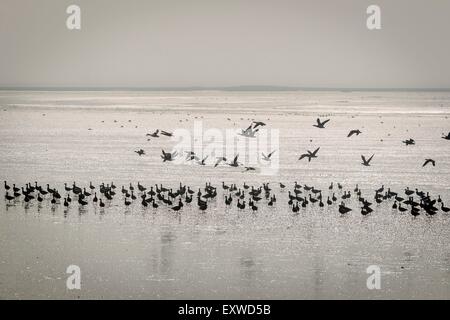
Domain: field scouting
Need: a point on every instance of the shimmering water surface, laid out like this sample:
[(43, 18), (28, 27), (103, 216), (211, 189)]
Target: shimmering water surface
[(223, 253)]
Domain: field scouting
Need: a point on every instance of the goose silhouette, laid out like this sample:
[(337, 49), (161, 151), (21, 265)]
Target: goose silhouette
[(140, 152), (309, 155), (366, 162), (267, 157), (165, 133), (352, 132), (219, 160), (166, 156), (427, 161), (343, 209), (446, 137), (320, 124), (154, 134), (249, 132), (409, 142), (257, 124), (235, 162)]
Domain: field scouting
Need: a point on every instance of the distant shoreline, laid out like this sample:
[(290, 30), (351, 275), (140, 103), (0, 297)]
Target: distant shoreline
[(225, 89)]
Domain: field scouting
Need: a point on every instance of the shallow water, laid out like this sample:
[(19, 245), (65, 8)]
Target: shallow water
[(223, 253)]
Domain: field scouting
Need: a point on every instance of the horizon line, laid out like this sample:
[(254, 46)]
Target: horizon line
[(212, 88)]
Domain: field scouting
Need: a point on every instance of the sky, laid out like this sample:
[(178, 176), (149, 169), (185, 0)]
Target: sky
[(212, 43)]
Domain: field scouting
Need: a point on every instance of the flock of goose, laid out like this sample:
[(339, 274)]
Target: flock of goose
[(251, 131), (243, 197)]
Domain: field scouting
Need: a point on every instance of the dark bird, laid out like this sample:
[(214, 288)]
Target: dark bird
[(309, 155), (409, 142), (154, 134), (165, 133), (427, 161), (366, 162), (443, 208), (8, 197), (343, 209), (166, 156), (140, 152), (352, 132), (235, 163), (258, 123), (446, 137), (319, 124)]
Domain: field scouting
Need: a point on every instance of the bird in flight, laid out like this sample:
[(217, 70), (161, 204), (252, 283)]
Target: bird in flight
[(258, 123), (165, 133), (320, 124), (249, 169), (249, 132), (409, 142), (167, 156), (267, 158), (352, 132), (140, 152), (154, 134), (427, 161), (202, 162), (235, 162), (219, 160), (446, 137), (190, 155), (366, 162), (309, 155)]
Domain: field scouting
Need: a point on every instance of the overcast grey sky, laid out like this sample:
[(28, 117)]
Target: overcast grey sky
[(167, 43)]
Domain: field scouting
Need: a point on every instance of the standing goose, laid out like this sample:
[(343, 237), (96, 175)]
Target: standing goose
[(343, 209), (8, 197), (443, 208)]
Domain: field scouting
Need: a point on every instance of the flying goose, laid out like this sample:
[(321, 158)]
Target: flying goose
[(154, 134), (267, 158), (258, 123), (165, 133), (366, 162), (309, 155), (320, 124), (167, 156), (352, 132), (249, 132), (219, 160), (427, 161), (235, 163), (140, 152), (202, 162), (409, 142)]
